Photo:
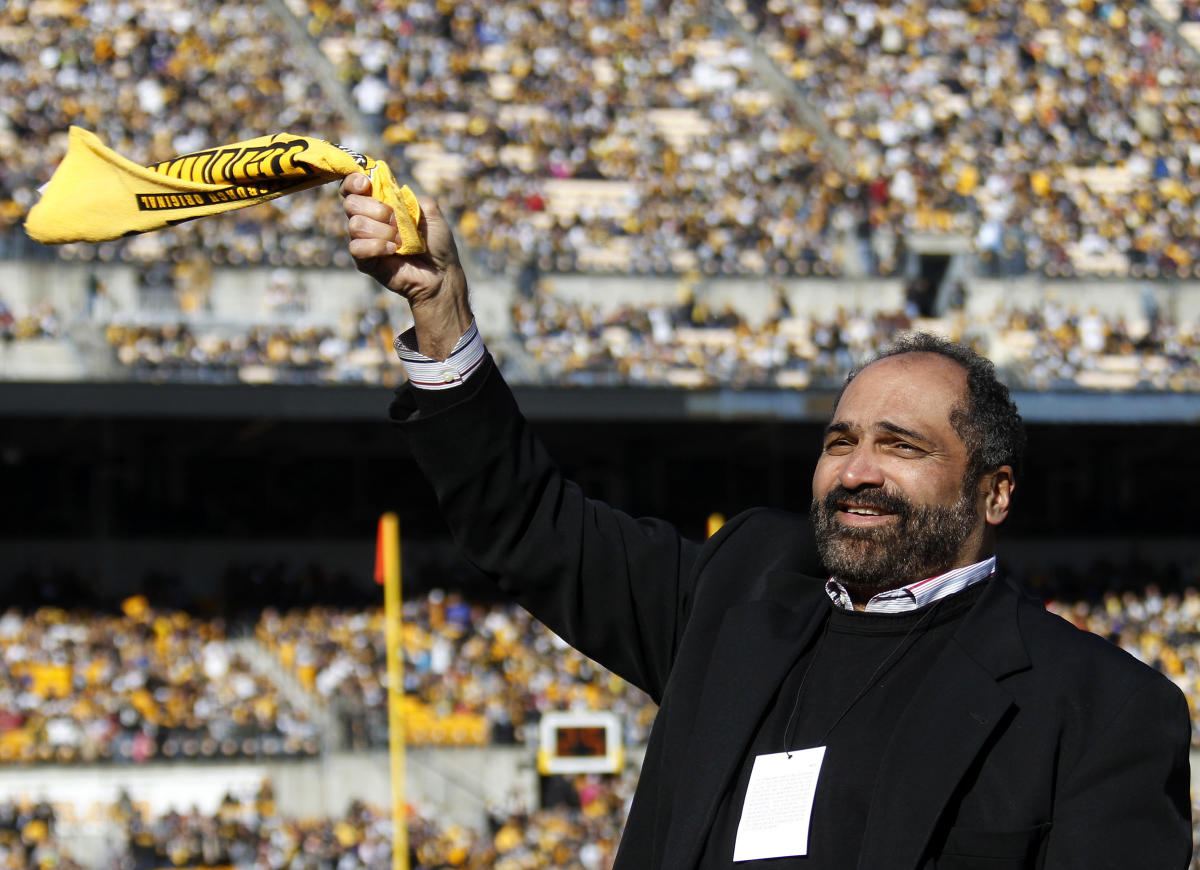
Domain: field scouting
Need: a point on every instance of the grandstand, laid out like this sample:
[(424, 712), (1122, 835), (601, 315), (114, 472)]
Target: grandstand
[(684, 221), (736, 155)]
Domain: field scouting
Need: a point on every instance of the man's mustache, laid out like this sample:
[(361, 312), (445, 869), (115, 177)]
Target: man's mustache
[(867, 496)]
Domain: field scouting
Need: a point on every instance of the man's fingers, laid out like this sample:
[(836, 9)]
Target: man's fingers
[(363, 227), (356, 183), (367, 207), (371, 248)]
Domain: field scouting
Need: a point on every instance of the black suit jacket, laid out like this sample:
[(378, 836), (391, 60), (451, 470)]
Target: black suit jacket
[(1028, 744)]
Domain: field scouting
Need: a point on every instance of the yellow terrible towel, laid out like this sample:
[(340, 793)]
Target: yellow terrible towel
[(96, 194)]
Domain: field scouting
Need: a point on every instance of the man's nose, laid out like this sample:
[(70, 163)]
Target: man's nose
[(861, 468)]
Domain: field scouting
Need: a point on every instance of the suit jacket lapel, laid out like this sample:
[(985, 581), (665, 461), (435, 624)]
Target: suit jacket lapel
[(757, 643), (952, 713)]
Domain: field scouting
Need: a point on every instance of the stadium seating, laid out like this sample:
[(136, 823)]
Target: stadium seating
[(473, 674), (786, 333), (151, 683), (156, 79), (133, 687), (247, 830), (664, 153), (594, 140), (696, 194), (1064, 124), (1161, 629)]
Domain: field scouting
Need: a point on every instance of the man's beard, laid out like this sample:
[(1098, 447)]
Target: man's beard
[(922, 541)]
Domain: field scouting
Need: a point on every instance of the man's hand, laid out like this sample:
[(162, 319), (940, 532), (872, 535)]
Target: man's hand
[(433, 282)]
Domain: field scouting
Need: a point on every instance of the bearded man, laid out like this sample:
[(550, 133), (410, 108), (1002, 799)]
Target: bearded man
[(908, 708)]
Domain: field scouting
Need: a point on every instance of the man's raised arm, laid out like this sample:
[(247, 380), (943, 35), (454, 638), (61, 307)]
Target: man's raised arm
[(613, 586)]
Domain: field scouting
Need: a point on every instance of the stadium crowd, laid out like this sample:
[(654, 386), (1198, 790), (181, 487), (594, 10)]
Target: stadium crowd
[(1160, 628), (495, 662), (472, 672), (291, 350), (1065, 128), (151, 682), (689, 344), (1050, 347), (155, 672), (28, 837), (147, 683), (603, 137), (641, 136), (249, 832), (1053, 348), (41, 321), (154, 80)]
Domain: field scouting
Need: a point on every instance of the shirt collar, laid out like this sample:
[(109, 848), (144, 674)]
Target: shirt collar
[(917, 594)]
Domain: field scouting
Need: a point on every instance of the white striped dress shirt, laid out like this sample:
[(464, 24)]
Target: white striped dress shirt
[(916, 594), (433, 374)]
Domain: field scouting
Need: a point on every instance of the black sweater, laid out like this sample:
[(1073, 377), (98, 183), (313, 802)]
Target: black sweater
[(880, 655)]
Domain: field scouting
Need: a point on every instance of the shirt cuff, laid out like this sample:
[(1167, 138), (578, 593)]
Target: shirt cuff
[(430, 374)]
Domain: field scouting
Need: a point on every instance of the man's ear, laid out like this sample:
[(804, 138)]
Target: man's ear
[(997, 488)]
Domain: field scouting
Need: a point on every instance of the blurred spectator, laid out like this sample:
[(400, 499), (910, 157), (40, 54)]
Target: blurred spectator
[(29, 837), (40, 321)]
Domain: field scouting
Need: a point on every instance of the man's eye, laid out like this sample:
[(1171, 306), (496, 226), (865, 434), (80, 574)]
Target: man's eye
[(905, 447)]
